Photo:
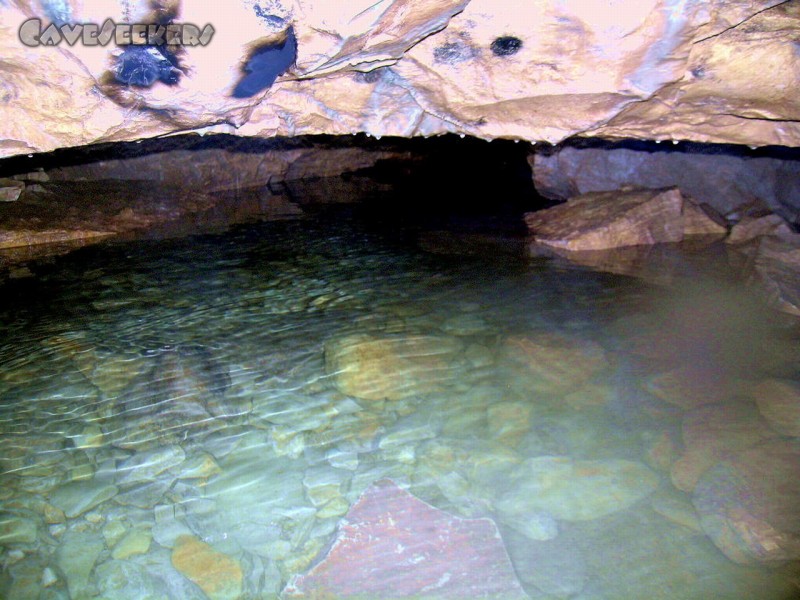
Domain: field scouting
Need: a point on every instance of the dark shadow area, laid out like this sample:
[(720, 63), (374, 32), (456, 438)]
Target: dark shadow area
[(684, 147), (265, 65), (456, 183)]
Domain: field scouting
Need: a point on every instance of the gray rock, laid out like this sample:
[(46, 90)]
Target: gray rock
[(168, 527), (76, 557), (144, 496), (575, 490), (17, 529), (79, 497), (126, 580), (146, 465), (554, 567)]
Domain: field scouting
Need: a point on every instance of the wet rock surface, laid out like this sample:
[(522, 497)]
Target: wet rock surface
[(603, 220)]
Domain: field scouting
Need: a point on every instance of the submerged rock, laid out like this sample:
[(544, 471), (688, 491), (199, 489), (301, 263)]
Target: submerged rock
[(775, 268), (391, 367), (550, 363), (217, 574), (79, 497), (76, 557), (778, 401), (748, 504), (183, 389), (601, 220), (393, 545), (126, 580), (576, 490), (17, 529), (713, 432)]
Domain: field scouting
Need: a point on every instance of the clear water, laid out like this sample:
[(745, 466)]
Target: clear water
[(180, 419)]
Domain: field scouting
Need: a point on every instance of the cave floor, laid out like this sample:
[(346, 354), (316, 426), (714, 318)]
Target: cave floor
[(328, 407)]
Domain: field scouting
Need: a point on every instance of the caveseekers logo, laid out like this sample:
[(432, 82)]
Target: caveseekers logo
[(123, 34)]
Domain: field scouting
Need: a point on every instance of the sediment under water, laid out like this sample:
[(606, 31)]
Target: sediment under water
[(198, 417)]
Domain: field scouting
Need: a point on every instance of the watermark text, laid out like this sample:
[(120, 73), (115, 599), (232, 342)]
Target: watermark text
[(31, 33)]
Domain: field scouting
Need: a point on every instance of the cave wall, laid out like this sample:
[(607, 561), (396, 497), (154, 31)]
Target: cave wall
[(727, 179), (545, 70)]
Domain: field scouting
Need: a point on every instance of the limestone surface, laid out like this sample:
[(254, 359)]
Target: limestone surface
[(603, 220), (716, 71)]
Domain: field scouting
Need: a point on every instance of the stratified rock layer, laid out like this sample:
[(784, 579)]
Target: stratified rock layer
[(727, 180), (603, 220), (716, 71)]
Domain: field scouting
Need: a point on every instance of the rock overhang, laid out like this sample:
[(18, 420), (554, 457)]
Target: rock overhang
[(715, 71)]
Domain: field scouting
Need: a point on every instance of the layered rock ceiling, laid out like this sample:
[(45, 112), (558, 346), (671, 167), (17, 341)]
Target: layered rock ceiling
[(541, 70)]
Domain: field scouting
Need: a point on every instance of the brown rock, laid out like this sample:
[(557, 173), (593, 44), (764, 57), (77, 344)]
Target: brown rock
[(217, 574), (775, 270), (660, 450), (28, 237), (752, 227), (10, 189), (733, 185), (712, 433), (748, 504), (687, 389), (602, 220), (509, 421), (391, 367), (548, 363), (779, 403)]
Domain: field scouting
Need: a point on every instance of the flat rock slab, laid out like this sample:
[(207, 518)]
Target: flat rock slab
[(393, 545), (602, 220)]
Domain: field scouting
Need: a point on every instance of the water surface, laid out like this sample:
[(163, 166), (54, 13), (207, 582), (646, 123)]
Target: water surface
[(194, 417)]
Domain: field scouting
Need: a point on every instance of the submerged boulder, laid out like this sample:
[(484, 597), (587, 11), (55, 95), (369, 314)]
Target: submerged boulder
[(602, 220), (576, 490), (393, 545), (748, 504), (778, 401), (549, 363), (391, 367), (712, 433)]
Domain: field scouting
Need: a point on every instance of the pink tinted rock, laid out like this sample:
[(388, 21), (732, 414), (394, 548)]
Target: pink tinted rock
[(393, 545)]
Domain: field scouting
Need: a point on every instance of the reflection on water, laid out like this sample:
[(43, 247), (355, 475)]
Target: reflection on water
[(315, 409)]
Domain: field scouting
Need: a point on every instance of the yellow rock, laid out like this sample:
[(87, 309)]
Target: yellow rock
[(53, 515), (135, 542), (391, 367), (548, 363), (335, 508), (217, 574), (200, 466), (90, 437), (509, 421)]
